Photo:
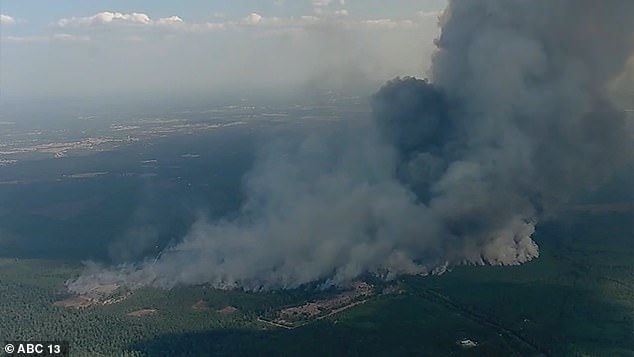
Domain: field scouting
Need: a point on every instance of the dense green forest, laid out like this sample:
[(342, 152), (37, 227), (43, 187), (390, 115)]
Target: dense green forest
[(576, 299)]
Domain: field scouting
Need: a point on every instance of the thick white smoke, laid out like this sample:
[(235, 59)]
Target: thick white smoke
[(453, 171)]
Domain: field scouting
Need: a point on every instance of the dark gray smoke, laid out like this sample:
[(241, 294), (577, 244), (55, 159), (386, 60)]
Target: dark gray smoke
[(455, 170)]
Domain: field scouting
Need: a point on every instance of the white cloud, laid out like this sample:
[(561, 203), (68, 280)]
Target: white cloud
[(112, 18), (6, 20), (172, 20), (140, 19), (252, 19)]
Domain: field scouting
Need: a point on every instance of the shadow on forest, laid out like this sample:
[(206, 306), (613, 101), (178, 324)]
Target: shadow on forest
[(559, 303)]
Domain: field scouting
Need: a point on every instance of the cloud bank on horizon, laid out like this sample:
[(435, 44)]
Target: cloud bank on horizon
[(457, 169), (112, 47)]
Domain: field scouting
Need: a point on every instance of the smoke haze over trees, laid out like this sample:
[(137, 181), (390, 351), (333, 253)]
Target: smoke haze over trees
[(458, 169)]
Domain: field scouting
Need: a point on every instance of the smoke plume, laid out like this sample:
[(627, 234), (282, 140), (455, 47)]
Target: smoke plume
[(457, 169)]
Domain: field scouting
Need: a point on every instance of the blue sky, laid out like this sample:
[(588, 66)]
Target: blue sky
[(79, 46)]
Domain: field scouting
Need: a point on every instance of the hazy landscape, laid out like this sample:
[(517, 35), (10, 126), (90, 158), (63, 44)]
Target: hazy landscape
[(143, 194)]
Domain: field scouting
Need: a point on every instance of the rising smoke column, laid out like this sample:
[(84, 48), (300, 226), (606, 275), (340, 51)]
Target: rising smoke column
[(515, 121), (455, 170)]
